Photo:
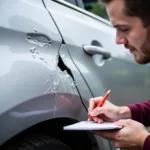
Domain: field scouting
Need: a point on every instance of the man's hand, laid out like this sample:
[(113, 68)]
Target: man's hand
[(133, 134), (108, 112)]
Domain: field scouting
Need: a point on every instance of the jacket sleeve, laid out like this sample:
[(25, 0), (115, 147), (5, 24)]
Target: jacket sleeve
[(141, 112), (147, 143)]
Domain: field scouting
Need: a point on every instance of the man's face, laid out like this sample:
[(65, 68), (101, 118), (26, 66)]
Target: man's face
[(130, 32)]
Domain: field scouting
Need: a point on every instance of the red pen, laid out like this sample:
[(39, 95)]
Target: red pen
[(101, 103)]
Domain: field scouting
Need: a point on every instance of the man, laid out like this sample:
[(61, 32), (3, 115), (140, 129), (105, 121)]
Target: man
[(131, 18)]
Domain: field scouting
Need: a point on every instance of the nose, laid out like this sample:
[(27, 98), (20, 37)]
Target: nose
[(120, 39)]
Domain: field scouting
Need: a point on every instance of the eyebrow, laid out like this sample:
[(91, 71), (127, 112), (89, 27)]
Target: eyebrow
[(119, 25)]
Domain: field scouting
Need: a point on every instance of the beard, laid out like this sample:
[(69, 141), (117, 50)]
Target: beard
[(142, 56)]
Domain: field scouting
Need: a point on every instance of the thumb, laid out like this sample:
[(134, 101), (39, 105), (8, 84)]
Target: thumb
[(98, 111)]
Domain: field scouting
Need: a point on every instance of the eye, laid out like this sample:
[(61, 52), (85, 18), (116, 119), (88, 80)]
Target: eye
[(123, 29)]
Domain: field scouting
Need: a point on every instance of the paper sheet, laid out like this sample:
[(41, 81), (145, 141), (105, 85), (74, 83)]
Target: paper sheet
[(91, 125)]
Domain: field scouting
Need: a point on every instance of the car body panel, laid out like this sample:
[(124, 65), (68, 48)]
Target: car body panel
[(22, 56), (33, 86), (84, 91), (44, 72), (79, 80), (80, 83), (120, 73), (128, 81)]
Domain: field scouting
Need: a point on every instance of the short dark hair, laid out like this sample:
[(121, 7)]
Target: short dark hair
[(136, 8)]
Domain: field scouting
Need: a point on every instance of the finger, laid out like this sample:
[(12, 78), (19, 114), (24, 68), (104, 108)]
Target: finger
[(97, 119), (100, 120), (93, 102), (98, 110)]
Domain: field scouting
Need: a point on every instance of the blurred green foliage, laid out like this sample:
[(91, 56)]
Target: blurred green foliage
[(99, 9)]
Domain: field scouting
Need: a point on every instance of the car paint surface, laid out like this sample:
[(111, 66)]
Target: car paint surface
[(45, 73), (128, 81), (33, 86)]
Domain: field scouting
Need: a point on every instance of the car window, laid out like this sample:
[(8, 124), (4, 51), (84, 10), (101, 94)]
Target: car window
[(93, 6), (96, 7)]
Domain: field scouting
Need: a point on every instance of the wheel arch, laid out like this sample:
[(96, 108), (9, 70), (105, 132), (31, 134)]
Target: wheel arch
[(54, 128)]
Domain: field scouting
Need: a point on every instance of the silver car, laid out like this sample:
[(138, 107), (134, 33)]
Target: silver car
[(54, 57)]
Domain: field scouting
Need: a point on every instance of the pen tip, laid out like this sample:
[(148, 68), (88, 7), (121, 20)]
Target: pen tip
[(109, 92)]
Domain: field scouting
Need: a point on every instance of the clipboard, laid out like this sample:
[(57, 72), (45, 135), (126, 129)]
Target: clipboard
[(91, 125)]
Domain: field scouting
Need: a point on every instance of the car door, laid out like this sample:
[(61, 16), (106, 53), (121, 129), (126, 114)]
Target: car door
[(103, 64)]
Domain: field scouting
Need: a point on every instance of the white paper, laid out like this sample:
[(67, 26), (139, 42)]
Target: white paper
[(91, 125)]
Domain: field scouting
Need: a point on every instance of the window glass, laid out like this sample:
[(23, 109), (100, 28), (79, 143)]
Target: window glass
[(93, 6), (96, 7)]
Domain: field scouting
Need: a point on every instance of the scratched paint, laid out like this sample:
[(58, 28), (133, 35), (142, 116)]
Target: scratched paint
[(39, 39), (61, 80)]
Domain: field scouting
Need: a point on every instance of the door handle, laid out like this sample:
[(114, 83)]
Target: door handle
[(92, 50)]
